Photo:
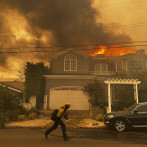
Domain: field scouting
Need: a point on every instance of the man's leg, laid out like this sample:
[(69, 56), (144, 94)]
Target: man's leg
[(63, 127), (51, 129)]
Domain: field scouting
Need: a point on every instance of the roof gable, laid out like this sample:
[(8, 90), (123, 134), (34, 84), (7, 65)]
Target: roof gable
[(69, 50)]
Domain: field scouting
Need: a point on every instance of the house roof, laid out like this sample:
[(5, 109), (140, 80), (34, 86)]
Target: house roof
[(13, 84), (140, 54), (69, 50)]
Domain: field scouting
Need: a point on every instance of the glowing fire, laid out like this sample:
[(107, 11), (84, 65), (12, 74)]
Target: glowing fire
[(19, 30), (17, 24), (112, 51)]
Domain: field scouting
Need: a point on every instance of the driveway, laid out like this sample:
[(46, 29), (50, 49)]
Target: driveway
[(46, 122)]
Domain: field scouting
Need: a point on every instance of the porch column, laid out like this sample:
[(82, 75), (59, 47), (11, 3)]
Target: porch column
[(45, 103), (109, 97), (136, 93)]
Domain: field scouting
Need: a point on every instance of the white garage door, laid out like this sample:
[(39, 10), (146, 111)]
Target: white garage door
[(73, 95)]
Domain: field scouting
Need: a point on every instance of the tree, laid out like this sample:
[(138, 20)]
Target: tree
[(34, 80), (96, 93)]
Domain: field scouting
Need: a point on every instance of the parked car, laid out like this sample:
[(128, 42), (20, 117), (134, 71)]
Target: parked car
[(135, 116)]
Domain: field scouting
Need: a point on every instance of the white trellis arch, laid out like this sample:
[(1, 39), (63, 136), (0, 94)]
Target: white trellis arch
[(134, 82)]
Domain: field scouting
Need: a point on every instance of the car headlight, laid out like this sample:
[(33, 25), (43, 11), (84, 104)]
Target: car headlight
[(109, 116)]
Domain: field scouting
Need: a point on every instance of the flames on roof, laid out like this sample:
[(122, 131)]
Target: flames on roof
[(114, 50)]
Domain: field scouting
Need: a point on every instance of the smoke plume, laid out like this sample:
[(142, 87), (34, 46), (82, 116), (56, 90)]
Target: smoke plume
[(58, 22)]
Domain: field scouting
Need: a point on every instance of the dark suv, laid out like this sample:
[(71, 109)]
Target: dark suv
[(135, 116)]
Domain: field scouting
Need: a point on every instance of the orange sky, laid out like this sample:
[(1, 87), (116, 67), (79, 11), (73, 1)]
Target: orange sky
[(121, 16), (130, 16)]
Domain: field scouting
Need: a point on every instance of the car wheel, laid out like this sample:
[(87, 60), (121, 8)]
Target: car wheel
[(120, 125)]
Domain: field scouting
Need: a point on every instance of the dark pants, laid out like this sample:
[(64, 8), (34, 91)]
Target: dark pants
[(56, 123)]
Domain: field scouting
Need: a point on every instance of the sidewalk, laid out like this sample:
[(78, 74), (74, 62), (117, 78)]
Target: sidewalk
[(46, 122)]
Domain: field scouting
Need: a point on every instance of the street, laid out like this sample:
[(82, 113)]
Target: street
[(34, 137)]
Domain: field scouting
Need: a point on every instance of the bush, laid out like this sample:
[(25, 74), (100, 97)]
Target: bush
[(22, 110), (32, 116), (2, 119), (21, 117), (8, 105), (99, 117), (12, 115), (32, 110), (96, 93)]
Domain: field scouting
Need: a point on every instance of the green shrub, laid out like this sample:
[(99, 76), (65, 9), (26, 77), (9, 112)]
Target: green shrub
[(2, 119), (22, 110), (32, 110), (21, 117), (99, 117), (32, 116), (13, 115)]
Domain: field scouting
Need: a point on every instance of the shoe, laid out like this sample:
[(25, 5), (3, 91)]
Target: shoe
[(66, 138), (45, 135)]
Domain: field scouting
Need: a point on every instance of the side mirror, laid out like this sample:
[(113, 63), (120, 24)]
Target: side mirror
[(135, 111)]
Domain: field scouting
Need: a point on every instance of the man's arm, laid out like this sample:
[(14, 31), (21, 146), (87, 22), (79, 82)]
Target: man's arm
[(65, 115)]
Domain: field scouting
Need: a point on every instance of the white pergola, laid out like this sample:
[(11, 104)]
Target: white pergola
[(134, 82)]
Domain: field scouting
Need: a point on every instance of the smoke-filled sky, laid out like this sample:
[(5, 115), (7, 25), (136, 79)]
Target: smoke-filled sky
[(26, 24)]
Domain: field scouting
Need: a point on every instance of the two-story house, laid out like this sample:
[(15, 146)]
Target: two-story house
[(70, 71)]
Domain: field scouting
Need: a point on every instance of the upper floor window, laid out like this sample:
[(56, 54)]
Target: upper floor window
[(70, 63), (119, 66), (101, 68), (136, 65)]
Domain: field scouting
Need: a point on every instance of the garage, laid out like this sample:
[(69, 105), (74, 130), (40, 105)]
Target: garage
[(74, 95)]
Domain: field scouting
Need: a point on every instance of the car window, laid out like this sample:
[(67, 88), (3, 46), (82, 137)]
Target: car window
[(132, 107), (142, 108)]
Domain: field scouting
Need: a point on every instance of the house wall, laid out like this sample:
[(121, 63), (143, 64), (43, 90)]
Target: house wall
[(139, 55), (33, 101), (57, 65), (110, 63)]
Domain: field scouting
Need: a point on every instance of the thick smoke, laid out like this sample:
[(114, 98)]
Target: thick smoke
[(71, 22)]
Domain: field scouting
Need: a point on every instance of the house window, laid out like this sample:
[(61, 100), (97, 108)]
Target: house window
[(70, 63), (119, 66), (136, 65), (101, 68)]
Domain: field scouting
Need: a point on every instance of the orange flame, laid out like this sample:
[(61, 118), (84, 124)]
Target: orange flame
[(112, 51)]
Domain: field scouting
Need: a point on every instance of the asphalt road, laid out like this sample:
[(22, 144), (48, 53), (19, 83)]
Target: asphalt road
[(104, 137)]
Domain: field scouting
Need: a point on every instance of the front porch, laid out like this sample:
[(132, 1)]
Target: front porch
[(113, 81)]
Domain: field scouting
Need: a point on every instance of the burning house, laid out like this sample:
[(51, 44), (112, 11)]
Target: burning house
[(71, 70), (35, 33)]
